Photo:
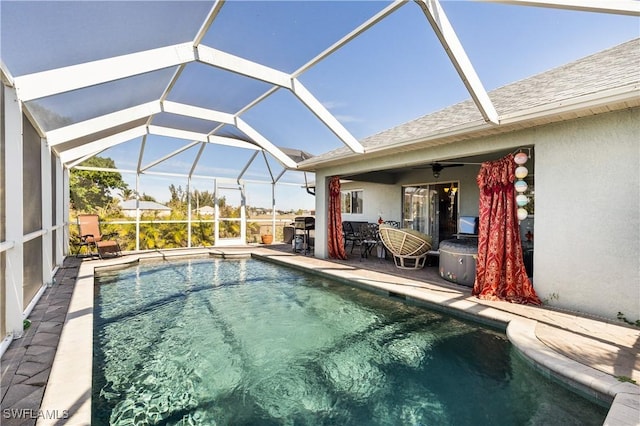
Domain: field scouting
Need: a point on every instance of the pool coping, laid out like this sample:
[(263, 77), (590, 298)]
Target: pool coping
[(70, 380)]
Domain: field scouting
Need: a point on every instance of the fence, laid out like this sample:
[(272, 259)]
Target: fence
[(164, 234)]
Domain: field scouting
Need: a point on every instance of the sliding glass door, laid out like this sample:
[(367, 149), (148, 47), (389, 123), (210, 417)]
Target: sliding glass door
[(431, 209), (416, 209)]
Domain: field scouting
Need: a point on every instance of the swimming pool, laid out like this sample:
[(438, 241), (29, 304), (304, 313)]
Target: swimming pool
[(247, 342)]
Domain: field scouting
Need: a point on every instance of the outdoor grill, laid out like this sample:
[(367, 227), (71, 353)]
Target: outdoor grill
[(303, 226), (305, 222)]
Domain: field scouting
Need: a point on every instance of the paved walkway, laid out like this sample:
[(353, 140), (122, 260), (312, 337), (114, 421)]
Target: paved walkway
[(26, 364), (605, 346)]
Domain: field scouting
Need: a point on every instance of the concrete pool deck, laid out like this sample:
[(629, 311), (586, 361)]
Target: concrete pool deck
[(46, 375)]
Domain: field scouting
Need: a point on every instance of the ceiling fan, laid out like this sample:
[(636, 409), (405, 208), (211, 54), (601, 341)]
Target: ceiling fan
[(438, 167)]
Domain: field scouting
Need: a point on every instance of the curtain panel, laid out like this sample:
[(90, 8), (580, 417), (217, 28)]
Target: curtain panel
[(500, 270), (335, 237)]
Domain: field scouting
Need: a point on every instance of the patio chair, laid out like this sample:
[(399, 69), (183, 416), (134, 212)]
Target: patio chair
[(96, 243), (392, 223), (368, 238), (408, 247), (350, 234)]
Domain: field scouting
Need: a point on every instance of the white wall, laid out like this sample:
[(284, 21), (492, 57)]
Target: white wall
[(587, 219), (377, 200)]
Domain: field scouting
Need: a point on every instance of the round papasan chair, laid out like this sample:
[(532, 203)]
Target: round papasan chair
[(408, 246)]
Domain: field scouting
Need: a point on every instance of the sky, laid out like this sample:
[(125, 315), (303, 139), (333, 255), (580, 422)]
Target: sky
[(393, 73)]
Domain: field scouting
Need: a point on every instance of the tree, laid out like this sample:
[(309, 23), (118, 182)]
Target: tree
[(178, 201), (127, 194), (203, 198), (91, 189)]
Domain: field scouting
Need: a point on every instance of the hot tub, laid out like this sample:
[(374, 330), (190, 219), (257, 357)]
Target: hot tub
[(458, 260)]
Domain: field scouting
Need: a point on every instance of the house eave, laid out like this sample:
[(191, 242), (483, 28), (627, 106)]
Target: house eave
[(590, 104), (619, 98)]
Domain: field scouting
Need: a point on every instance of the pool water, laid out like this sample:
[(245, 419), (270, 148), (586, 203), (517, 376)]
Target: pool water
[(244, 342)]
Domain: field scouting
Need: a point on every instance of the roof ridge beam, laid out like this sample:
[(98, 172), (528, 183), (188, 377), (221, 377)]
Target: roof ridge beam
[(171, 154), (243, 126), (238, 65), (197, 112), (246, 166), (200, 137), (617, 7), (257, 100), (388, 10), (103, 122), (325, 116), (177, 133), (65, 79), (105, 169), (236, 143), (266, 162), (172, 82), (451, 44), (252, 69), (229, 62), (213, 14), (81, 160), (197, 159), (101, 144)]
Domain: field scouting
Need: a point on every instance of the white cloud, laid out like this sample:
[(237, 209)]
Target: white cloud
[(334, 104), (349, 119)]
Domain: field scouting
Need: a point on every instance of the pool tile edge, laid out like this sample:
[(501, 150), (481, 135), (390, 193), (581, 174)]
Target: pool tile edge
[(624, 398)]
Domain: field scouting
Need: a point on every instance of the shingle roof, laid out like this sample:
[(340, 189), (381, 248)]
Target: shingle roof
[(614, 68)]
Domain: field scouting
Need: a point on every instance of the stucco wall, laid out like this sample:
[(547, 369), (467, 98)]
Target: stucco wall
[(587, 219), (378, 200), (587, 206)]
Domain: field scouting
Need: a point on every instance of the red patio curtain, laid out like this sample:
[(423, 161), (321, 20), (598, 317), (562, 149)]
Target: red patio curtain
[(500, 271), (335, 238)]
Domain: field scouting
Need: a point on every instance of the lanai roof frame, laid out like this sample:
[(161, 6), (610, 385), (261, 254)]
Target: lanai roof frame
[(177, 56)]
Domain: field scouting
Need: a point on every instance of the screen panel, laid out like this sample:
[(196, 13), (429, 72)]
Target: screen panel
[(31, 178), (32, 272)]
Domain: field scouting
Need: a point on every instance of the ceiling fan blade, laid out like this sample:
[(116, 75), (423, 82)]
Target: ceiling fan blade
[(439, 166)]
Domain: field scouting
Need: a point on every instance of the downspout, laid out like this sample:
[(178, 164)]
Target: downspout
[(307, 187)]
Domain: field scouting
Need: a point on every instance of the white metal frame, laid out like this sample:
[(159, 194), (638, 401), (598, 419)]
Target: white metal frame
[(14, 264), (241, 240), (18, 90), (16, 307), (64, 79), (617, 7), (449, 40)]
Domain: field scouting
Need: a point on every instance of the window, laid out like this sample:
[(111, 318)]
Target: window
[(351, 201)]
